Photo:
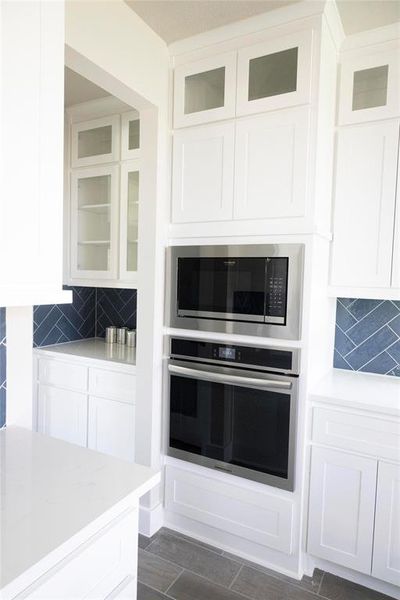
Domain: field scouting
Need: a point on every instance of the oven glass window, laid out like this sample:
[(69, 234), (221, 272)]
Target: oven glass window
[(236, 425), (221, 285)]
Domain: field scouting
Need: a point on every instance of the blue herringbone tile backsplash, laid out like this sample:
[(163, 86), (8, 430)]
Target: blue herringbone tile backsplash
[(368, 336), (3, 366), (91, 311)]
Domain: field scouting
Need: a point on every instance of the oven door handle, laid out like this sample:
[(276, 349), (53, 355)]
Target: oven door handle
[(230, 379)]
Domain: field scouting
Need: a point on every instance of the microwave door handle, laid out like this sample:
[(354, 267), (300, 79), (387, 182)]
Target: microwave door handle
[(230, 379)]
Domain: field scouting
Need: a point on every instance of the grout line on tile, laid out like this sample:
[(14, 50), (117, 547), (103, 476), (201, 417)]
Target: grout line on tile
[(175, 580), (236, 576)]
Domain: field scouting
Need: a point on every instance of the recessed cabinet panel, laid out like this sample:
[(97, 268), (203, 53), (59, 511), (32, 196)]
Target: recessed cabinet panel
[(62, 414), (130, 135), (370, 87), (386, 554), (364, 205), (95, 142), (341, 508), (271, 165), (203, 166), (94, 218), (111, 428), (205, 90), (274, 74)]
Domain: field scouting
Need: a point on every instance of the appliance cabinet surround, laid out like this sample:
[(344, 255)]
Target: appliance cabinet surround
[(86, 402), (356, 484), (252, 168), (366, 240), (104, 193), (370, 86)]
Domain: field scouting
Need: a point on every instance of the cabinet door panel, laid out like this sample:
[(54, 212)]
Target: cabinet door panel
[(94, 142), (130, 135), (274, 74), (205, 90), (271, 165), (62, 414), (386, 555), (203, 166), (365, 205), (112, 428), (341, 508), (129, 220), (370, 87)]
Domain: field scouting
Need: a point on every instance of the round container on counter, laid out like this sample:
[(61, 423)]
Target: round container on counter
[(111, 334), (131, 338)]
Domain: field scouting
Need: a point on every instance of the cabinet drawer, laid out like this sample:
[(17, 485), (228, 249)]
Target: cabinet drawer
[(94, 569), (110, 384), (62, 374), (360, 433)]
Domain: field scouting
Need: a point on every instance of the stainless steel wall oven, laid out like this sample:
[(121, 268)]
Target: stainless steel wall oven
[(233, 408), (247, 289)]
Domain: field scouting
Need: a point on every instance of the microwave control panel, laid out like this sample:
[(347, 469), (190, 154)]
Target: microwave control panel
[(276, 290)]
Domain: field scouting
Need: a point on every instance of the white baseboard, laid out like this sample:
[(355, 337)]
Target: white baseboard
[(150, 519)]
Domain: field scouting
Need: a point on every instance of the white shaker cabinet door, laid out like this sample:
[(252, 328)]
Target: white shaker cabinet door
[(364, 205), (62, 414), (341, 508), (386, 554), (272, 165), (112, 428), (202, 179)]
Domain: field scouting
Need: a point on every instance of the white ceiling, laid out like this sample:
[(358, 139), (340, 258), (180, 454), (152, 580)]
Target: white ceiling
[(177, 19), (77, 89)]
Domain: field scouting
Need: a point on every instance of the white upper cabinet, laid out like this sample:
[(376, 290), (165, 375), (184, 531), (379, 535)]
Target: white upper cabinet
[(95, 142), (203, 170), (274, 74), (130, 135), (94, 222), (386, 554), (364, 206), (341, 508), (271, 165), (205, 90), (370, 87), (129, 219)]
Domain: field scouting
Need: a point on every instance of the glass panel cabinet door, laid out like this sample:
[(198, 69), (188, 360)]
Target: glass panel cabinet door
[(94, 212), (95, 141), (130, 135), (274, 74), (129, 220), (205, 90), (370, 87)]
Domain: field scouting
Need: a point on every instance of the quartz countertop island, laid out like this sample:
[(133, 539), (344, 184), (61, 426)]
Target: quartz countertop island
[(56, 496)]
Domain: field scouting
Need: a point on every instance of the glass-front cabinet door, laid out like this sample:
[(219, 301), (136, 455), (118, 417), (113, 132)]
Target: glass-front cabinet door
[(130, 135), (205, 90), (370, 87), (129, 220), (274, 74), (94, 223), (94, 142)]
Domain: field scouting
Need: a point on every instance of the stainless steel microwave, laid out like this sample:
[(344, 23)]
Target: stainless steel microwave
[(246, 289)]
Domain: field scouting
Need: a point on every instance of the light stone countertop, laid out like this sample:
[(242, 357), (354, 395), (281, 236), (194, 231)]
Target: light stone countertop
[(94, 349), (363, 391), (53, 492)]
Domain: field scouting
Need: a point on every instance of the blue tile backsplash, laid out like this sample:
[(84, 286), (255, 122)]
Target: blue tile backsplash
[(3, 366), (91, 311), (367, 336)]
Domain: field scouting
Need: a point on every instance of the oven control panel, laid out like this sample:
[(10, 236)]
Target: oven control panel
[(276, 290), (261, 358)]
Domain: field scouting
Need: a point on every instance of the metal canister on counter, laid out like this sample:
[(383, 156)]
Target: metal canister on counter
[(111, 334), (131, 338), (121, 335)]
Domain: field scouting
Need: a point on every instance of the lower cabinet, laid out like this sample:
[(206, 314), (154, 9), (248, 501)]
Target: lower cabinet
[(354, 513), (111, 427), (62, 414), (342, 505), (386, 557)]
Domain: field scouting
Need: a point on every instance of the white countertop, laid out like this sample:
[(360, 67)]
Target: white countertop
[(52, 491), (95, 349), (367, 391)]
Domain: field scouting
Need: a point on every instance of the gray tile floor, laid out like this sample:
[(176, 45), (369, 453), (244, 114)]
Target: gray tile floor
[(174, 566)]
